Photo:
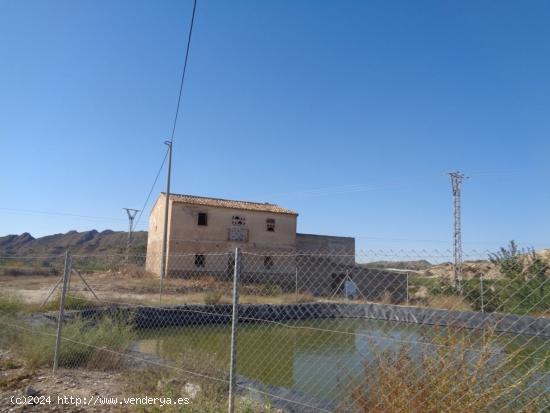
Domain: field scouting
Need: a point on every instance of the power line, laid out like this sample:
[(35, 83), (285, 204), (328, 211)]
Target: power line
[(375, 186), (441, 241), (177, 111), (170, 144), (32, 211), (151, 190), (184, 69)]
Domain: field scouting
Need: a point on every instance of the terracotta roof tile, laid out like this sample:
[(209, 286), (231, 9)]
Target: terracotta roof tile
[(228, 203)]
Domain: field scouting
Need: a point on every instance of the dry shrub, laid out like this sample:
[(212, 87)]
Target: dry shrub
[(200, 369), (200, 283), (105, 359), (192, 366), (134, 271), (386, 298), (298, 298), (449, 302), (451, 377), (212, 297)]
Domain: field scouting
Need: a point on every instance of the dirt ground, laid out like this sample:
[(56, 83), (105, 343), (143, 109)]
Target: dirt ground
[(18, 384), (126, 288)]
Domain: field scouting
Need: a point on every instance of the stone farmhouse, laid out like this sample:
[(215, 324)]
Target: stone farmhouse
[(203, 234), (199, 227)]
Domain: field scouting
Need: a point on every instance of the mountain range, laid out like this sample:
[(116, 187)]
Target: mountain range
[(86, 242)]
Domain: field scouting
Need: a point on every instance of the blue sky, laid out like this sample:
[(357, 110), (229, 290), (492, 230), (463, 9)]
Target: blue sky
[(348, 112)]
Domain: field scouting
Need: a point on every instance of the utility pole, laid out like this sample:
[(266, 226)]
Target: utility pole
[(165, 230), (456, 182), (131, 215)]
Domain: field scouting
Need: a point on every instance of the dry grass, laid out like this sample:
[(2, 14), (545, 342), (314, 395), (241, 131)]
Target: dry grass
[(386, 299), (133, 286), (210, 381), (449, 378), (285, 298), (134, 271), (10, 304), (449, 302), (98, 347), (213, 297)]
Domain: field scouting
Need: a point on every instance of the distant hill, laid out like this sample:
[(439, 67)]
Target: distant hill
[(470, 268), (86, 242), (418, 265)]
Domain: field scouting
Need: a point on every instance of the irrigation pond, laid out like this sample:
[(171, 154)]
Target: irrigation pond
[(318, 358)]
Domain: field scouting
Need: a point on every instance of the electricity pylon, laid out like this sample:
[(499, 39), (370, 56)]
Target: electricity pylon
[(131, 215), (456, 182)]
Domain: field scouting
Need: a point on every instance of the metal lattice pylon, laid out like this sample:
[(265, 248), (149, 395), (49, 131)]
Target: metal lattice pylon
[(131, 215), (456, 182)]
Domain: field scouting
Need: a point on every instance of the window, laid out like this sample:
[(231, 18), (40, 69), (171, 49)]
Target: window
[(268, 262), (203, 219), (200, 260), (270, 224), (239, 220)]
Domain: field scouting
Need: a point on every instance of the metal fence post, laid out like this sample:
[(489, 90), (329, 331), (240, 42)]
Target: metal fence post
[(407, 288), (481, 292), (296, 282), (234, 324), (69, 280), (66, 275)]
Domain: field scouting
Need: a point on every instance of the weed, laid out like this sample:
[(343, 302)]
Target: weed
[(9, 364), (211, 395), (72, 302), (10, 305), (96, 346), (450, 377), (212, 297), (449, 302), (272, 289)]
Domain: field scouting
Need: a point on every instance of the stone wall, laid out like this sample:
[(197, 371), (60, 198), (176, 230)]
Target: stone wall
[(321, 276), (342, 249)]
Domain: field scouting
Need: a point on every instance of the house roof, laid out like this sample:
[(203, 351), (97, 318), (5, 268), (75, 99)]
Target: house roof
[(229, 203)]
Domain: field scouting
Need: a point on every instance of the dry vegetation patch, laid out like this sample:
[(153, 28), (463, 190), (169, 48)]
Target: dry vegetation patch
[(446, 378)]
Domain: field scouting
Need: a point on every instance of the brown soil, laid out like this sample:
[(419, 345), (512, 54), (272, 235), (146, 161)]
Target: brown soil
[(116, 287), (16, 380)]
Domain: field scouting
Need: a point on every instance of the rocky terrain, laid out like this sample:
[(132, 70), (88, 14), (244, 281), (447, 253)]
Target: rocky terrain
[(86, 242)]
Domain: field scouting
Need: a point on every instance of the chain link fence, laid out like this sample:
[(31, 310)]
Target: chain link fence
[(375, 331)]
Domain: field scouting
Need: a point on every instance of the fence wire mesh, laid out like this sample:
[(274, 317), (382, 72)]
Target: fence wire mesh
[(374, 331)]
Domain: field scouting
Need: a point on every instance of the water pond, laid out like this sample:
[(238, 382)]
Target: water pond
[(318, 358)]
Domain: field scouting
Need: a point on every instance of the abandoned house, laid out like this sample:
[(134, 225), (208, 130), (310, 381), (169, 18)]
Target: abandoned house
[(199, 227), (204, 232)]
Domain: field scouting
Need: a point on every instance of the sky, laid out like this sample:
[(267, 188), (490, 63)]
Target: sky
[(350, 113)]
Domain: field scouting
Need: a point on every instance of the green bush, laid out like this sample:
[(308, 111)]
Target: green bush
[(524, 288), (98, 345), (491, 298)]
